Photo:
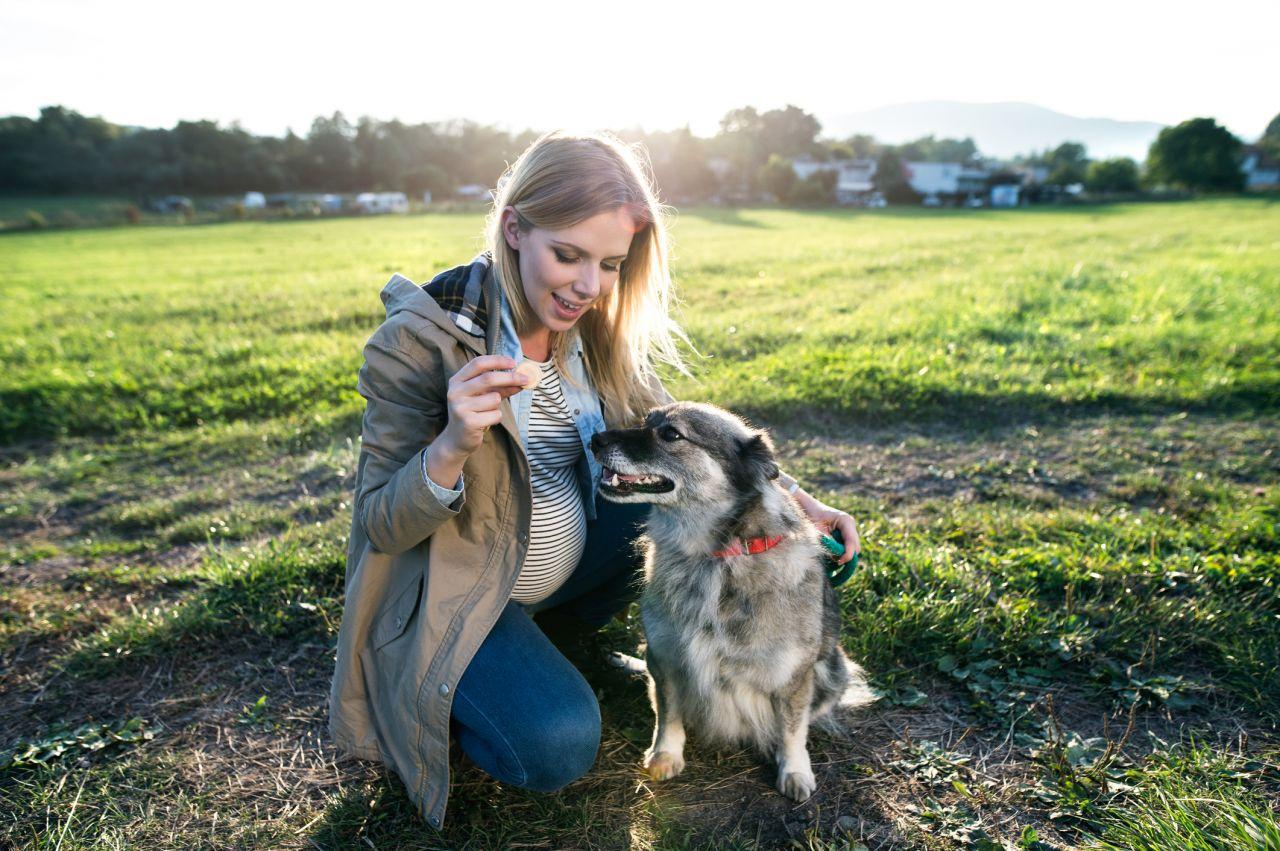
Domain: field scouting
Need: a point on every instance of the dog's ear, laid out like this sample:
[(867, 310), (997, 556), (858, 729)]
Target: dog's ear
[(756, 453)]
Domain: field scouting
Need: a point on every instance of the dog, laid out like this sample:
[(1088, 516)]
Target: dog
[(741, 623)]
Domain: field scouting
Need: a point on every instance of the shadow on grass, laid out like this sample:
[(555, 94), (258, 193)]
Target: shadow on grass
[(289, 590), (985, 413), (726, 216)]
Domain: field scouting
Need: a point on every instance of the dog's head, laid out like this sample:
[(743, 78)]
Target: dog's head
[(684, 453)]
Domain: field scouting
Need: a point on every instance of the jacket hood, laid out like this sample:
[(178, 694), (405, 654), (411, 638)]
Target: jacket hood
[(457, 300)]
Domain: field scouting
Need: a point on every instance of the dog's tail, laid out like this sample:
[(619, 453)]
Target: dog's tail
[(857, 693)]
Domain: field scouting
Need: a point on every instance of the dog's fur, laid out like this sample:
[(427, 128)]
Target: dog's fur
[(743, 649)]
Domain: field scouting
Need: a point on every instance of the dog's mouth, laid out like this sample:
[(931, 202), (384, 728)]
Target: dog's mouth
[(625, 483)]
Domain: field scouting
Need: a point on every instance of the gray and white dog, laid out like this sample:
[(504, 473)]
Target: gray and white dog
[(742, 625)]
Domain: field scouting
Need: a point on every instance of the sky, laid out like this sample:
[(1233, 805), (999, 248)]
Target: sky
[(274, 64)]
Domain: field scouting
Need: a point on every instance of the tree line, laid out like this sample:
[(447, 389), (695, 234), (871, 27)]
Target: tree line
[(62, 151)]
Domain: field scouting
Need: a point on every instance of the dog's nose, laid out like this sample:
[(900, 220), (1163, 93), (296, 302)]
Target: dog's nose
[(599, 441)]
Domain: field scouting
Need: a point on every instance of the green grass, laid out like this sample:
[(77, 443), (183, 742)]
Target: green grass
[(1194, 798), (870, 318), (63, 210), (1059, 431)]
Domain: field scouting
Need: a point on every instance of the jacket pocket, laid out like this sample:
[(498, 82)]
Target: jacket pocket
[(396, 615)]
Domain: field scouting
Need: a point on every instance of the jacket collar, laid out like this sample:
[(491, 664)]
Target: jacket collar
[(457, 300)]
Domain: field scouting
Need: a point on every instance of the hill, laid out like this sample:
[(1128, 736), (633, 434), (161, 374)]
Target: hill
[(1000, 129)]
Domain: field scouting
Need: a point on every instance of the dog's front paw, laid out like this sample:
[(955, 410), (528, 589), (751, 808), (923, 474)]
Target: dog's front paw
[(664, 765), (797, 785)]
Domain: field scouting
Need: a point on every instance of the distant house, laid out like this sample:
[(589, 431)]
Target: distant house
[(1261, 170), (382, 202), (474, 192), (1033, 174), (254, 200), (855, 179), (1005, 195), (946, 183)]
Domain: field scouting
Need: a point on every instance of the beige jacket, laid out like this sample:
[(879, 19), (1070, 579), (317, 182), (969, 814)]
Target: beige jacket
[(425, 582)]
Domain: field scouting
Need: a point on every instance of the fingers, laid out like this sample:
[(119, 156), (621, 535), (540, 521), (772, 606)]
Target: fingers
[(480, 402), (848, 531), (482, 364), (493, 376)]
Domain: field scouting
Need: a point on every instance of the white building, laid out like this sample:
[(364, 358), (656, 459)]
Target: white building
[(1261, 170), (936, 182), (855, 179), (382, 202)]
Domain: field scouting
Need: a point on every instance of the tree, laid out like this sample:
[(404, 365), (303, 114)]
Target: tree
[(891, 179), (331, 154), (679, 162), (837, 151), (1198, 154), (1270, 141), (428, 178), (816, 190), (1273, 128), (864, 146), (1119, 174), (1068, 164), (778, 177), (930, 150), (739, 142), (789, 131)]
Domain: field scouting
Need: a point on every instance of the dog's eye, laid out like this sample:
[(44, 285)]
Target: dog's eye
[(669, 433)]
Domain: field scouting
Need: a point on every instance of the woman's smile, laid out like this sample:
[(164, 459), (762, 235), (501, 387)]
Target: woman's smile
[(568, 309)]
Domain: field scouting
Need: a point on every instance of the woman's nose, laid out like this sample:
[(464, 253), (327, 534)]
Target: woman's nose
[(588, 285)]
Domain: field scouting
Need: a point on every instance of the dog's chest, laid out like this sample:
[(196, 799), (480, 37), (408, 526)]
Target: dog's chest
[(713, 625)]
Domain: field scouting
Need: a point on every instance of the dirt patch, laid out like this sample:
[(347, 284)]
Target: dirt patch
[(1077, 461)]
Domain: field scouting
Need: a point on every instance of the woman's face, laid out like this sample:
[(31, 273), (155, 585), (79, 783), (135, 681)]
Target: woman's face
[(565, 272)]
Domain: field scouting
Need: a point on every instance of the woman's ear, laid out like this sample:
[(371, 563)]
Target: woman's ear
[(511, 227)]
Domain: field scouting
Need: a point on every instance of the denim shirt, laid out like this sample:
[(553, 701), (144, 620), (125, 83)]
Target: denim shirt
[(579, 395)]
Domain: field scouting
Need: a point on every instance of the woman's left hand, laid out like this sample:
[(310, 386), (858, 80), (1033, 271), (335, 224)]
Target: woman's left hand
[(827, 518)]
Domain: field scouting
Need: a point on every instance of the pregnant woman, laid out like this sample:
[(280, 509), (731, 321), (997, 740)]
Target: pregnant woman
[(476, 502)]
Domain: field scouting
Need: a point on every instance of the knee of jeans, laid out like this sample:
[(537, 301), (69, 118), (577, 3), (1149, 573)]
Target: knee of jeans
[(562, 748)]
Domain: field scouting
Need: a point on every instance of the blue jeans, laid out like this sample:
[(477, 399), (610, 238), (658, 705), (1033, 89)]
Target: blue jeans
[(521, 711)]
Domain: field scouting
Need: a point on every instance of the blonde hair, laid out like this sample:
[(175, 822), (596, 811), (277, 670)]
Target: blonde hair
[(560, 180)]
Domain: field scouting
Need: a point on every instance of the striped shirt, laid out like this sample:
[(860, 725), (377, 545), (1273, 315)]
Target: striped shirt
[(558, 527)]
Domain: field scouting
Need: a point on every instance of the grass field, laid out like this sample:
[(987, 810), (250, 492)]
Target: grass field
[(1059, 431)]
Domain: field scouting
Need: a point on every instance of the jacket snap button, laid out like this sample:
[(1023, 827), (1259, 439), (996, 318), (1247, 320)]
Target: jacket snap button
[(444, 688), (399, 621), (435, 822)]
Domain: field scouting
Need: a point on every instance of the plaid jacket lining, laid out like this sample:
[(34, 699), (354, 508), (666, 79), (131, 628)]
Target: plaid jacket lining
[(460, 292)]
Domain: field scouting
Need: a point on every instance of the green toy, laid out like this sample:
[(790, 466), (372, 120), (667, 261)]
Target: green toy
[(838, 573)]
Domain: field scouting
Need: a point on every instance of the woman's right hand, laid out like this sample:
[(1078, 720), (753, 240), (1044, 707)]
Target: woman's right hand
[(475, 402)]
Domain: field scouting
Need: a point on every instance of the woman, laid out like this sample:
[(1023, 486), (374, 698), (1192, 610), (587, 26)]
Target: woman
[(461, 531)]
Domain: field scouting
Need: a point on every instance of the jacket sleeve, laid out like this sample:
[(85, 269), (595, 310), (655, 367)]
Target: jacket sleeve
[(445, 495), (403, 414)]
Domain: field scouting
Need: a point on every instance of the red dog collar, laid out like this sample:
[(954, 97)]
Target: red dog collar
[(753, 546)]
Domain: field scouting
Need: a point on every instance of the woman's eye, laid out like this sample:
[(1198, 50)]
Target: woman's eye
[(669, 433), (564, 258)]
